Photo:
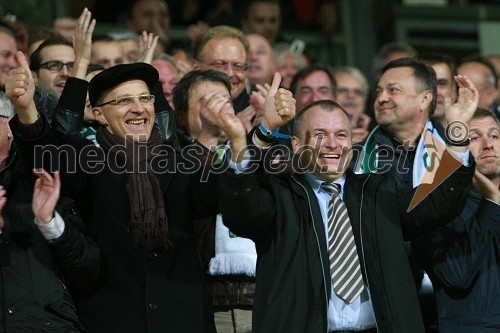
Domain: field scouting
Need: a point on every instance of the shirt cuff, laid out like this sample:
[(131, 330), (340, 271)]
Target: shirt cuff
[(239, 168), (52, 230)]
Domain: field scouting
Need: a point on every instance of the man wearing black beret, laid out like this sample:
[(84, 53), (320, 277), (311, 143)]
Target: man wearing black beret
[(137, 204)]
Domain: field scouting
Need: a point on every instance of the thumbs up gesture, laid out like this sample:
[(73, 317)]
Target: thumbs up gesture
[(279, 105), (20, 88)]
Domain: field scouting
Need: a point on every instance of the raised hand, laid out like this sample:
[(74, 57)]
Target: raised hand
[(45, 195), (466, 104), (486, 187), (247, 116), (257, 101), (279, 105), (219, 112), (82, 44), (20, 88), (147, 46)]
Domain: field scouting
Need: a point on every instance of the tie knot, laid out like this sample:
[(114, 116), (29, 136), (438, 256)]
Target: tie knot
[(331, 188)]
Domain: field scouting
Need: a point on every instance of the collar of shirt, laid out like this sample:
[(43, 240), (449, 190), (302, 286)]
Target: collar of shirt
[(315, 183), (342, 316)]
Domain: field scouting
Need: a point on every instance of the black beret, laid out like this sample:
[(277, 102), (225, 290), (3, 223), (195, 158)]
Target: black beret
[(117, 74)]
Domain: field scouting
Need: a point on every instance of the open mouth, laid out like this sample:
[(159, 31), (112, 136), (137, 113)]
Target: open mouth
[(136, 122), (330, 156)]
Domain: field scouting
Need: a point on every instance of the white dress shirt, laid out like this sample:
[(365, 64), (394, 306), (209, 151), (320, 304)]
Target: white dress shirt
[(358, 315)]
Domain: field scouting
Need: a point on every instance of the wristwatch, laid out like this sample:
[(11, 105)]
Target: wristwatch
[(452, 140)]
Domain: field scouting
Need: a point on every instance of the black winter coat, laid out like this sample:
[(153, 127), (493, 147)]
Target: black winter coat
[(281, 215)]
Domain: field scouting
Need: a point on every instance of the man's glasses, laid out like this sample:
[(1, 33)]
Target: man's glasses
[(129, 100), (56, 66), (222, 65)]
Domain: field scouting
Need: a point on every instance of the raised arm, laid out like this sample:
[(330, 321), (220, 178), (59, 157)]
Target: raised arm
[(217, 115), (82, 44), (279, 109), (465, 106), (45, 195), (20, 88), (77, 256)]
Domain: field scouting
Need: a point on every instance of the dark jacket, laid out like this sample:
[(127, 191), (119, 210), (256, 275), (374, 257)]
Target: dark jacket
[(281, 214), (34, 273), (140, 291), (462, 260)]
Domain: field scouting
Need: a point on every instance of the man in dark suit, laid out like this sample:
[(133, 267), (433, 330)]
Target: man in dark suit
[(463, 257), (287, 214), (136, 202)]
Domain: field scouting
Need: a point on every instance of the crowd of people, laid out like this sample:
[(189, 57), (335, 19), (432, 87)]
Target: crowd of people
[(233, 184)]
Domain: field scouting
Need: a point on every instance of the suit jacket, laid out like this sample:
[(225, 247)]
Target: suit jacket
[(462, 260), (280, 213), (139, 291)]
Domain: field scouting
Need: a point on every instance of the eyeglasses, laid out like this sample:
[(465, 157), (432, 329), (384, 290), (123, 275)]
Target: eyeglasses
[(129, 100), (222, 65), (357, 92), (56, 65)]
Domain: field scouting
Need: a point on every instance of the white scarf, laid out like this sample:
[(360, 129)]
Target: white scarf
[(233, 254), (421, 158)]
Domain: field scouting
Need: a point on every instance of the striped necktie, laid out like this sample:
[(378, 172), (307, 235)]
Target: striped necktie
[(345, 269)]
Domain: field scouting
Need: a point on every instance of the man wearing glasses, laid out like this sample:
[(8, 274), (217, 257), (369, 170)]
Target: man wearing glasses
[(225, 49), (51, 65), (138, 197)]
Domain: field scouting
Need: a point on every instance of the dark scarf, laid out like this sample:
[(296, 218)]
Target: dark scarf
[(148, 220)]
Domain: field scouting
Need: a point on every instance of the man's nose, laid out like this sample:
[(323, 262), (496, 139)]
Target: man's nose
[(487, 143)]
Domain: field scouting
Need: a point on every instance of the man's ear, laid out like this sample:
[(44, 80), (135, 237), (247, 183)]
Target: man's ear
[(195, 64), (295, 143), (99, 116), (426, 100), (35, 77)]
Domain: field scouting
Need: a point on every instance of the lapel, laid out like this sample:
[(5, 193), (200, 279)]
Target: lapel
[(317, 226), (314, 210), (360, 198), (352, 199)]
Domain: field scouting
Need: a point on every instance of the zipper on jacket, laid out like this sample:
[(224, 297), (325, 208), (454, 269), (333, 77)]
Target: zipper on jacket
[(361, 237), (319, 248)]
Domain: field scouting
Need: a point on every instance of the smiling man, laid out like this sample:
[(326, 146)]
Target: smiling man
[(406, 99), (297, 218), (137, 207), (225, 49), (51, 64)]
